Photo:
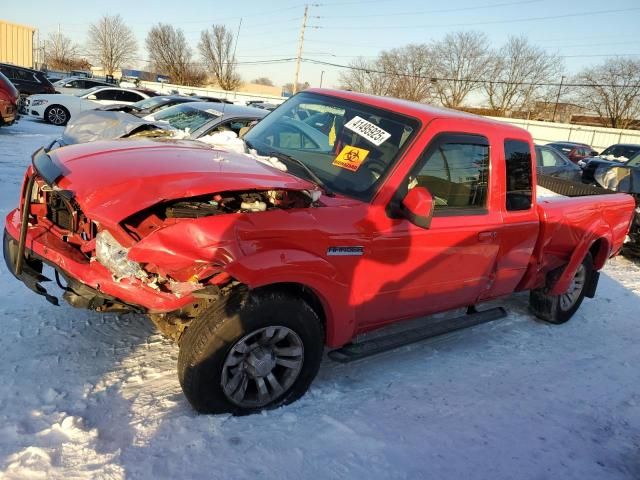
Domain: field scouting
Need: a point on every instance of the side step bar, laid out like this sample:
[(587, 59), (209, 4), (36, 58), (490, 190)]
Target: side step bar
[(356, 351)]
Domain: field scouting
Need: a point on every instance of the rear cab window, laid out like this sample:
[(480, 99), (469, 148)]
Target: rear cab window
[(519, 175)]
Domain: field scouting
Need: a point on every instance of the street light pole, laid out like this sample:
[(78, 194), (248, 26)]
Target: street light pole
[(321, 75)]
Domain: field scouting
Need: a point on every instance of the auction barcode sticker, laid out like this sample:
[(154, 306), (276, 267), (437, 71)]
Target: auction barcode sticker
[(368, 130)]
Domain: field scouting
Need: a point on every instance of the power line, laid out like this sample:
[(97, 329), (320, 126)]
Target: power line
[(468, 80), (488, 22), (444, 10)]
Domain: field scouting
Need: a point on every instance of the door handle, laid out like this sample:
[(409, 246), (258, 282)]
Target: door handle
[(487, 237)]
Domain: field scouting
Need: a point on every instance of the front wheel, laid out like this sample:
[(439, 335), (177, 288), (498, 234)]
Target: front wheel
[(559, 309), (250, 352), (57, 115)]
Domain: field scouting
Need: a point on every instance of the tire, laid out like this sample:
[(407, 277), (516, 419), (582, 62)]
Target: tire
[(233, 344), (57, 115), (558, 309)]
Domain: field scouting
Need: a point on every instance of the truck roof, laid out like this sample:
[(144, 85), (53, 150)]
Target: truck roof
[(422, 111)]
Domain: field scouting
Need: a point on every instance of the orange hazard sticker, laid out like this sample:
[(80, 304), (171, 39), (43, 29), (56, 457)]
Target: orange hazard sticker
[(350, 158)]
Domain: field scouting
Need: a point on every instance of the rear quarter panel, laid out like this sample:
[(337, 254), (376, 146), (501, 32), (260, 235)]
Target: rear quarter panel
[(568, 229)]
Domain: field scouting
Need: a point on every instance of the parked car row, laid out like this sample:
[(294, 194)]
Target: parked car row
[(58, 109), (188, 119)]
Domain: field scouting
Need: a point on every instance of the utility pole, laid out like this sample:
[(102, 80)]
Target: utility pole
[(237, 38), (555, 107), (300, 43), (321, 75)]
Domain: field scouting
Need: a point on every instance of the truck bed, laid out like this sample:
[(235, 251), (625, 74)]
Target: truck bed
[(571, 223)]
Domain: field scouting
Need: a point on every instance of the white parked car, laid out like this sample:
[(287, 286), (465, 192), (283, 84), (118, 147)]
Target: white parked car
[(73, 85), (59, 108)]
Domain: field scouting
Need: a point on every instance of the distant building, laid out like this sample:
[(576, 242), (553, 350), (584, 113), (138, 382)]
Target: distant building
[(16, 44)]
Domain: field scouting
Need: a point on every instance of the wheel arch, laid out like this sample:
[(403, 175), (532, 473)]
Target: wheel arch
[(304, 274), (598, 244)]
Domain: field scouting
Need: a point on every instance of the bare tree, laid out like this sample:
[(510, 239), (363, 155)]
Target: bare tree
[(216, 48), (402, 72), (60, 53), (263, 81), (461, 59), (288, 87), (409, 70), (169, 52), (111, 43), (194, 76), (519, 69), (612, 90), (366, 76)]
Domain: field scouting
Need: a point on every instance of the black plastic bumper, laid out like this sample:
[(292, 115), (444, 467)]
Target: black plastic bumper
[(76, 293), (31, 274)]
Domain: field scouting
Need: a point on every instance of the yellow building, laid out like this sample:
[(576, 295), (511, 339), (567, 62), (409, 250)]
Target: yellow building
[(16, 44)]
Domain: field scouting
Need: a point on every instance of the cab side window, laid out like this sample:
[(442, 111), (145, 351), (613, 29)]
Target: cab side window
[(455, 170), (517, 156)]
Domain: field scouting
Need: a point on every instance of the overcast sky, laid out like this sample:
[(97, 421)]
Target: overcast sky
[(583, 31)]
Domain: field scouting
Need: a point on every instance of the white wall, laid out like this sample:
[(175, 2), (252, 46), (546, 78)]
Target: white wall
[(235, 97), (598, 137)]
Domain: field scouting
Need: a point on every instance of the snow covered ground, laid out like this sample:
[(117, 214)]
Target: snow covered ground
[(84, 395)]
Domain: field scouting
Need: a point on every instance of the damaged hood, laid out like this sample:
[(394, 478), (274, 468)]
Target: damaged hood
[(95, 125), (113, 180)]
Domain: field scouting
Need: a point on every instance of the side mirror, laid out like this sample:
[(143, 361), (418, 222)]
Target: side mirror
[(92, 97), (417, 207)]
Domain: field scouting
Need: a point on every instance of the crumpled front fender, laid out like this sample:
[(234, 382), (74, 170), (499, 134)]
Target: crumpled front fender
[(207, 241), (303, 268)]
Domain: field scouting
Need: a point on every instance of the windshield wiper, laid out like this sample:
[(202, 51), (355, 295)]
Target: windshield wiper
[(312, 175)]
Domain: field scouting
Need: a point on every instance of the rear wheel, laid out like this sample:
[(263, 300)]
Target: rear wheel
[(57, 115), (249, 353), (559, 309)]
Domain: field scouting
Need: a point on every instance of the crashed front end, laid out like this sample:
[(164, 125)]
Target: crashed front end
[(167, 260)]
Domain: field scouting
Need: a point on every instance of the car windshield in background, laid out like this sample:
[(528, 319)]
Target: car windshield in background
[(185, 116), (148, 103), (349, 146), (634, 162), (617, 151)]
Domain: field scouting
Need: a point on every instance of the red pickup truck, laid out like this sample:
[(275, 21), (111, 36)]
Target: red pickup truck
[(253, 263)]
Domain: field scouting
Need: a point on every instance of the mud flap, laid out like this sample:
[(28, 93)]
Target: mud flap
[(592, 285)]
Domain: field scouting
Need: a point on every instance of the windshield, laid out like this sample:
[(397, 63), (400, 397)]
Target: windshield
[(634, 162), (185, 117), (349, 146), (617, 151)]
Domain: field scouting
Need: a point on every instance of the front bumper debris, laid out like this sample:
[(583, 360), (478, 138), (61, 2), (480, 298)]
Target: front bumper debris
[(89, 284)]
